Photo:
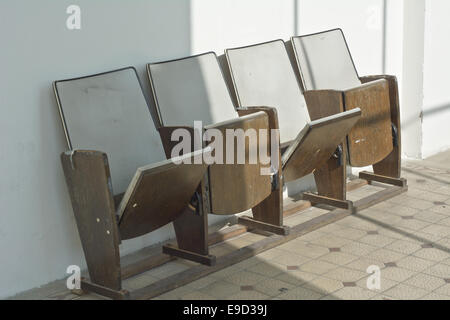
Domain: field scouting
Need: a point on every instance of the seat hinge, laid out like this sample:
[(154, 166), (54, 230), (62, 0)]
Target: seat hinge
[(338, 154), (275, 181), (394, 135), (195, 203)]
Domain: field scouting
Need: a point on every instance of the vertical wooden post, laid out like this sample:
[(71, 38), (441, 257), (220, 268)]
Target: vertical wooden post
[(89, 183)]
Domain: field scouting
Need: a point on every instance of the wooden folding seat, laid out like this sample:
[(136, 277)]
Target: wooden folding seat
[(120, 183), (327, 73), (194, 89), (262, 74)]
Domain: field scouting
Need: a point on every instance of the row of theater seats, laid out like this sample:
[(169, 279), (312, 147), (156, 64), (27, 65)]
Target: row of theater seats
[(305, 93)]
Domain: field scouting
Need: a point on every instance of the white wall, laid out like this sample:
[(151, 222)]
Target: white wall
[(220, 24), (38, 236), (436, 83), (394, 39), (412, 75), (417, 52)]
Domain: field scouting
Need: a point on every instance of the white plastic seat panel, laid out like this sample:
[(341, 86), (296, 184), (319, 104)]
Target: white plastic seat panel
[(108, 112), (325, 61), (191, 89), (262, 75)]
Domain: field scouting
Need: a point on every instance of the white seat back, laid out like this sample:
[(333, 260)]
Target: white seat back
[(190, 89), (325, 61), (262, 75), (108, 112)]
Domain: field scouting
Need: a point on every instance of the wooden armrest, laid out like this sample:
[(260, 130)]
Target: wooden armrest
[(393, 96), (75, 160), (381, 84), (324, 103), (89, 183), (370, 78), (271, 113), (372, 97), (236, 187), (370, 141), (84, 170)]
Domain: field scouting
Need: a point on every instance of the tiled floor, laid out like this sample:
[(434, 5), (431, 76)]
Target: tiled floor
[(406, 237)]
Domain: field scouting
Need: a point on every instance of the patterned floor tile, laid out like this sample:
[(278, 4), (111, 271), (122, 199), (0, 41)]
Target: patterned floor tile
[(425, 282), (385, 255), (323, 285), (266, 269), (244, 278), (301, 293), (197, 296), (220, 289), (289, 259), (435, 296), (338, 258), (414, 263), (403, 246), (273, 287), (354, 293), (432, 254), (317, 267), (344, 274), (406, 292), (358, 248), (439, 270), (248, 295), (297, 277), (444, 290), (396, 274)]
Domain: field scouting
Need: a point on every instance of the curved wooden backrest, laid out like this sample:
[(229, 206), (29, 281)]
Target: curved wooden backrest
[(238, 187), (190, 89), (325, 61), (262, 75), (108, 112)]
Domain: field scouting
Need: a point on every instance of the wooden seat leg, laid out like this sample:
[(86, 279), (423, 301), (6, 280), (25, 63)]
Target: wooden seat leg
[(318, 199), (331, 184), (88, 286), (87, 177), (390, 166), (268, 215), (191, 230), (399, 182)]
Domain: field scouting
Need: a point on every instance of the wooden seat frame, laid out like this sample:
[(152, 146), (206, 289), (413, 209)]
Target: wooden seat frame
[(377, 95), (158, 194)]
